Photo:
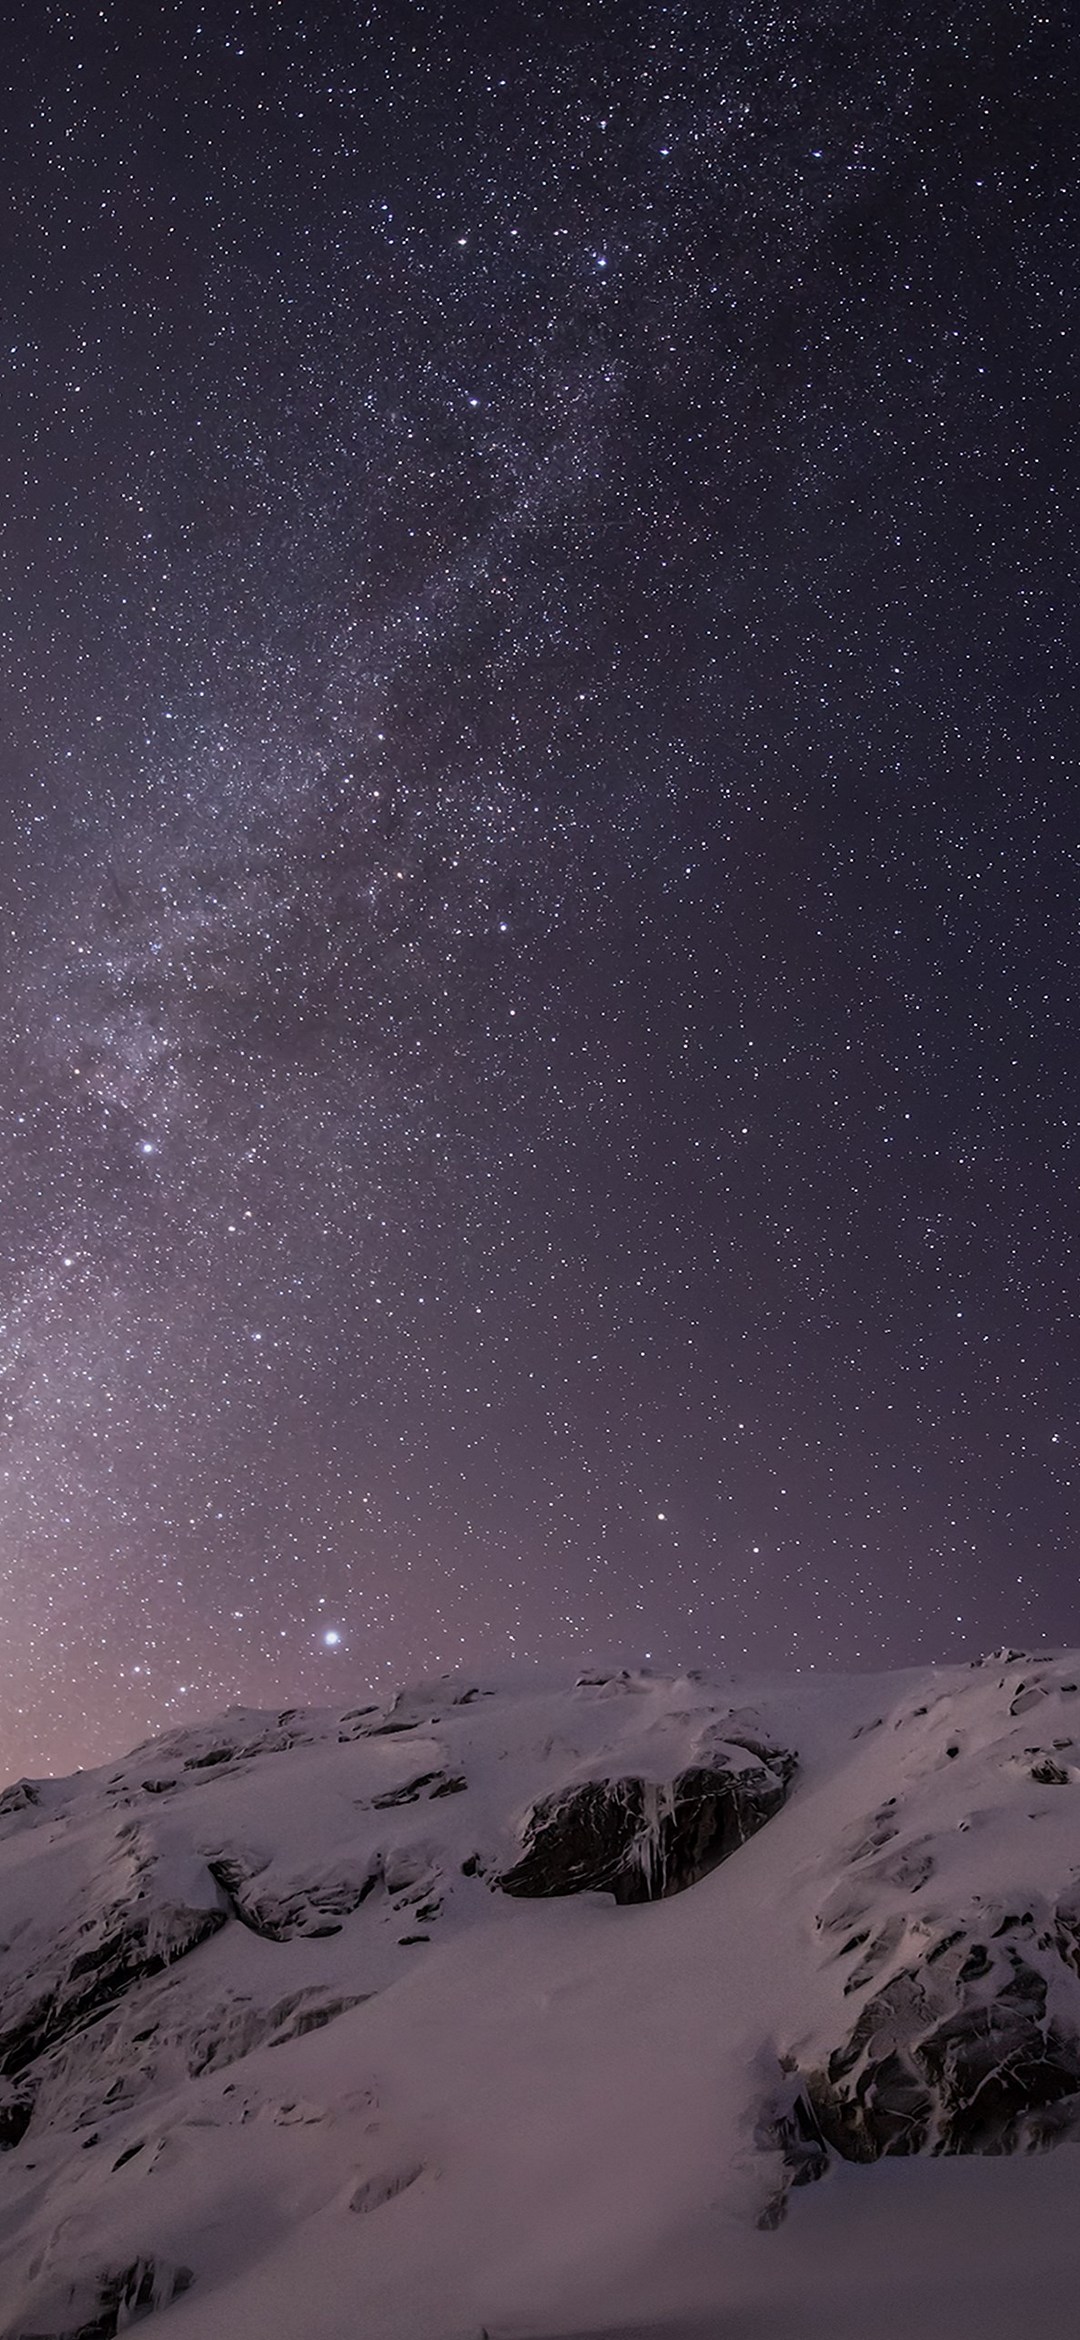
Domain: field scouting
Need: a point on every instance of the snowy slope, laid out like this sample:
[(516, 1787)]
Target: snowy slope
[(305, 2038)]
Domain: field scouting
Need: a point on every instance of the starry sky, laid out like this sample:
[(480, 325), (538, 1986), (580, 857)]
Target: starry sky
[(539, 844)]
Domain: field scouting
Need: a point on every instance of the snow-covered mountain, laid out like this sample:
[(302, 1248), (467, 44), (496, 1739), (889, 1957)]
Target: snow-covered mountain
[(531, 2012)]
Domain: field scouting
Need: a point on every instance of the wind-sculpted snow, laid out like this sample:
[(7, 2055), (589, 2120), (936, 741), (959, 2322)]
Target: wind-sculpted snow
[(525, 2009)]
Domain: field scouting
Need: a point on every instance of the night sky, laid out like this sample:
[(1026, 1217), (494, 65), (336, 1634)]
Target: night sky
[(539, 847)]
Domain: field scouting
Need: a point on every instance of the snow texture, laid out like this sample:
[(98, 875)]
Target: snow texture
[(533, 2011)]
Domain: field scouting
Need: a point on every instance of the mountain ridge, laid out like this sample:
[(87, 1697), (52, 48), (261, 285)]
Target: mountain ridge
[(537, 2009)]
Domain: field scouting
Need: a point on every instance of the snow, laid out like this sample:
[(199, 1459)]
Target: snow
[(460, 2112)]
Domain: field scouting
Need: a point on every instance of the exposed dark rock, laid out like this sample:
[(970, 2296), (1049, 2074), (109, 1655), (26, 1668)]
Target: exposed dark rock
[(374, 2191), (301, 1909), (992, 2067), (409, 1793), (453, 1786), (640, 1842), (1049, 1774), (1067, 1934), (97, 2306), (956, 2056), (355, 1724), (1025, 1696), (127, 1944), (21, 1797), (317, 2018), (946, 1943), (232, 1871), (16, 2114), (909, 1867), (410, 1870), (887, 2106), (793, 2131), (22, 2039), (234, 2027)]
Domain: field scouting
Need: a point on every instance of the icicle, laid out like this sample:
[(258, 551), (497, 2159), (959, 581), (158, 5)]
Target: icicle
[(650, 1850)]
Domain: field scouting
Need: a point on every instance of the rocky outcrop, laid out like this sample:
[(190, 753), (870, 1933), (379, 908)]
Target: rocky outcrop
[(134, 1915), (643, 1842), (974, 2076), (233, 2027), (23, 1796), (97, 2305), (308, 1909), (974, 2050), (16, 2114), (124, 1946)]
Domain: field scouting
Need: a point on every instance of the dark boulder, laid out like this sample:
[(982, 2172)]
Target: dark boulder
[(641, 1842)]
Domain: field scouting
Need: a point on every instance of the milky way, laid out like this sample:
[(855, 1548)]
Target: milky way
[(540, 839)]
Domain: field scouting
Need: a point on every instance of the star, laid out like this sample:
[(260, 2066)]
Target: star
[(677, 589)]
